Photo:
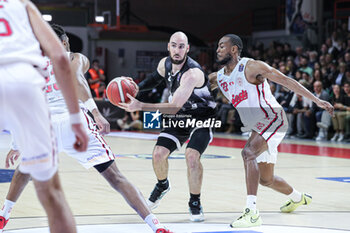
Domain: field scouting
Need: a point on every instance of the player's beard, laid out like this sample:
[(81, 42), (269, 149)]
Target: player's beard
[(224, 61), (177, 62)]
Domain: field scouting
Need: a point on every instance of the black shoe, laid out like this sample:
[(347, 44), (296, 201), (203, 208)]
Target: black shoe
[(196, 211), (157, 194)]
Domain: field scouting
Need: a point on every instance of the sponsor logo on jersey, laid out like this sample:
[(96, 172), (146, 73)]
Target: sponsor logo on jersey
[(259, 125), (236, 99), (240, 68)]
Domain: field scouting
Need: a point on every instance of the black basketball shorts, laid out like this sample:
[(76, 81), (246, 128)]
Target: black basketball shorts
[(174, 138)]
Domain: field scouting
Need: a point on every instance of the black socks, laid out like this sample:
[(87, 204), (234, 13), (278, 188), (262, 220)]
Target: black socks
[(163, 184)]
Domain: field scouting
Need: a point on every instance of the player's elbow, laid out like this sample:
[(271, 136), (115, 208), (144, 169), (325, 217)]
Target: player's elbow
[(60, 59)]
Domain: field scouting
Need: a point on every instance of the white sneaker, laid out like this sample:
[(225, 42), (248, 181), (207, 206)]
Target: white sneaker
[(335, 137), (320, 135), (341, 137)]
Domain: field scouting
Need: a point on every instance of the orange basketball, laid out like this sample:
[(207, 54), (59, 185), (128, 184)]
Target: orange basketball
[(117, 90)]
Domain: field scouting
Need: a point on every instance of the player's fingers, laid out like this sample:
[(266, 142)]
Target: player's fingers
[(130, 96), (122, 105), (7, 165), (79, 146), (12, 162), (108, 128), (17, 156)]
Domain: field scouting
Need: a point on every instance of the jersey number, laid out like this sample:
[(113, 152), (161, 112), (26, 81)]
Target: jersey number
[(5, 29)]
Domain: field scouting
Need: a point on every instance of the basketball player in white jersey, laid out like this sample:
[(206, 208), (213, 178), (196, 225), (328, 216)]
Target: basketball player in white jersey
[(23, 107), (243, 82), (98, 154)]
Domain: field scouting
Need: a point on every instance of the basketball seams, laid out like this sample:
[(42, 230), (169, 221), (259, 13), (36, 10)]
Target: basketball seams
[(117, 90), (121, 92)]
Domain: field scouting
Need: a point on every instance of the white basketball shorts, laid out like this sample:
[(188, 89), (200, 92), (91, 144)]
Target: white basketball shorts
[(273, 130), (98, 151), (24, 111)]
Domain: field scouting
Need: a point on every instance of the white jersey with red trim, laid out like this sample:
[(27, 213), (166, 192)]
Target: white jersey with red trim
[(257, 107), (54, 95), (17, 40)]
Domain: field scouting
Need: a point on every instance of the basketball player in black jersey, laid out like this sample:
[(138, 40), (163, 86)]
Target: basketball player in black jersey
[(189, 96)]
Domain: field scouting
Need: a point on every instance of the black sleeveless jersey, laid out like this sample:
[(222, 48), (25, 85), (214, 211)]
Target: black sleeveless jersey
[(201, 103)]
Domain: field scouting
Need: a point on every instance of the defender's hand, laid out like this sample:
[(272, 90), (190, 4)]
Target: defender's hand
[(103, 125), (327, 106), (11, 156), (82, 139)]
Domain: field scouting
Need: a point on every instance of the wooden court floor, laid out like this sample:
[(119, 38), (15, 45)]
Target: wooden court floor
[(223, 191)]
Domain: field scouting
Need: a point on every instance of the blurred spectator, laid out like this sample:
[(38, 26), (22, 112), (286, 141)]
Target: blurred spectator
[(312, 59), (314, 114), (332, 72), (96, 80), (291, 68), (299, 53), (298, 75), (324, 50), (131, 121), (339, 76), (341, 105), (347, 59), (297, 107), (287, 52), (304, 61)]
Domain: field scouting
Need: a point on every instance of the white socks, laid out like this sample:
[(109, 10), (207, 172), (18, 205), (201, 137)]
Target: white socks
[(295, 196), (251, 202), (6, 209), (153, 222)]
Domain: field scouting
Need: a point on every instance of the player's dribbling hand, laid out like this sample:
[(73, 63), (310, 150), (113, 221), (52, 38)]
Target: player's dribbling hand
[(103, 125), (132, 106), (11, 156), (327, 106), (82, 139)]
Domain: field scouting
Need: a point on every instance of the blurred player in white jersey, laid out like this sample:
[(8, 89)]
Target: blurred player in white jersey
[(23, 107), (243, 82), (98, 154)]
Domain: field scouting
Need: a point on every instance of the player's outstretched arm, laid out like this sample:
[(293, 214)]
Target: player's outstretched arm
[(80, 65), (260, 70), (54, 49)]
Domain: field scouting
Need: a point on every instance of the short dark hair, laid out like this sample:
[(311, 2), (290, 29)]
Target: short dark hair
[(60, 32), (235, 40)]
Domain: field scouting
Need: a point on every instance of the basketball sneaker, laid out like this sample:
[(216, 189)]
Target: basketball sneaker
[(3, 223), (157, 194), (290, 205), (248, 219), (196, 211), (163, 230)]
